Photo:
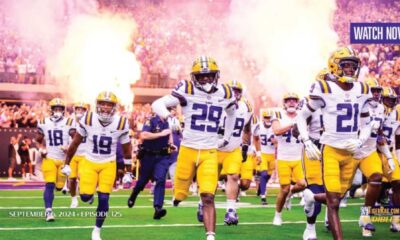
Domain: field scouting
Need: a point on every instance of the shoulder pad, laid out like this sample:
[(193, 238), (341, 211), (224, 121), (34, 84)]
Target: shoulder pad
[(121, 123), (278, 115), (364, 88), (397, 114), (88, 118), (324, 85), (254, 119), (69, 121), (248, 105), (189, 87), (42, 120), (227, 91)]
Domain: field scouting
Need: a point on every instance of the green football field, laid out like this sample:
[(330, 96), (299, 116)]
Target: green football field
[(21, 217)]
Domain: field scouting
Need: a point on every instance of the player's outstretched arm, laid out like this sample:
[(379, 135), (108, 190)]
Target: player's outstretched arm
[(160, 105)]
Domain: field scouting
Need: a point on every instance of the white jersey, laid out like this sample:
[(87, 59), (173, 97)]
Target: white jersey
[(243, 117), (315, 126), (83, 146), (340, 110), (102, 140), (57, 136), (202, 113), (266, 136), (289, 148), (391, 126), (377, 113)]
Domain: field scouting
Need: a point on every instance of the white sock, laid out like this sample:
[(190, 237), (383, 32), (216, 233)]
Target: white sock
[(48, 209), (74, 198), (97, 229), (278, 214), (262, 196), (311, 227), (210, 233), (230, 204), (200, 202)]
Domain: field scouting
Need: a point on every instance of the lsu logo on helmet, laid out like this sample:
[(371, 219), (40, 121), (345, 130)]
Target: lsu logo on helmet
[(205, 73), (57, 109)]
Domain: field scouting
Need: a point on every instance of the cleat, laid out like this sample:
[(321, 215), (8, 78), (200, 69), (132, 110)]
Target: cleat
[(200, 216), (277, 220), (159, 213), (175, 202), (131, 201), (366, 233), (243, 193), (309, 235), (264, 201), (210, 237), (231, 217), (288, 203), (49, 216), (74, 203), (96, 234), (395, 227), (64, 190), (308, 202)]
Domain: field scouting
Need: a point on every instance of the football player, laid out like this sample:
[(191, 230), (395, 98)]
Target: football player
[(391, 169), (102, 130), (345, 112), (368, 160), (313, 169), (289, 154), (202, 100), (230, 156), (268, 146), (80, 109), (53, 135)]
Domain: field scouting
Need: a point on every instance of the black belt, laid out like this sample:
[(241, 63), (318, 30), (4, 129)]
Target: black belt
[(162, 152)]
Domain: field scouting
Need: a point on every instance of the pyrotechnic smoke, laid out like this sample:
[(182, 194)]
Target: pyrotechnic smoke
[(85, 51), (289, 40)]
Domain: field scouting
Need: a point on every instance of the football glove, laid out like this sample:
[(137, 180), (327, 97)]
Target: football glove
[(353, 145), (127, 178), (392, 165), (66, 170), (245, 148), (312, 151)]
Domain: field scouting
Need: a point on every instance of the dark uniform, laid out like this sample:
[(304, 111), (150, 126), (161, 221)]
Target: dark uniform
[(154, 156)]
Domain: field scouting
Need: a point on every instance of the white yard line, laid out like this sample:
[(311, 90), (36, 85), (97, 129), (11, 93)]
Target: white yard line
[(153, 225)]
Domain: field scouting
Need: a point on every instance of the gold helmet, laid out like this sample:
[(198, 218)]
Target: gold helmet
[(288, 96), (389, 97), (266, 117), (205, 73), (237, 87), (341, 58), (57, 104), (373, 83), (268, 113), (322, 75), (106, 106), (80, 108)]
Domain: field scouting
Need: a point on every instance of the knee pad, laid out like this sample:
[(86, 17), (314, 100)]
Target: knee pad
[(316, 188), (86, 197)]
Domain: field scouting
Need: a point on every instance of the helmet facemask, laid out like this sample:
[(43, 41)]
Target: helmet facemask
[(79, 112), (205, 81), (57, 112), (291, 104), (267, 122), (238, 93), (105, 111), (349, 69)]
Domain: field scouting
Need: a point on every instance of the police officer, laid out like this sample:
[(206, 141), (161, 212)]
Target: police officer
[(154, 157)]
